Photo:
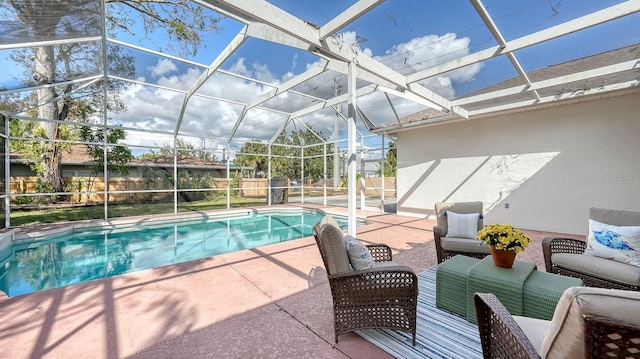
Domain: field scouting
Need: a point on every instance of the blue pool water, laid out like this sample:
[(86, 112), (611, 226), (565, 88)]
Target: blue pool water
[(88, 254)]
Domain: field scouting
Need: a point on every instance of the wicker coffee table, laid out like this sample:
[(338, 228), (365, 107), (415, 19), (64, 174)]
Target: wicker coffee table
[(506, 283), (522, 289), (451, 283)]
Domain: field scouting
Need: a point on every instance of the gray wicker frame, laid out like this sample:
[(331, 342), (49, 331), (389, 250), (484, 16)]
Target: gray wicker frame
[(501, 337), (551, 245), (385, 297)]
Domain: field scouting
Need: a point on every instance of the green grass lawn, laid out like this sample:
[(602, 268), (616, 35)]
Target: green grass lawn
[(53, 215)]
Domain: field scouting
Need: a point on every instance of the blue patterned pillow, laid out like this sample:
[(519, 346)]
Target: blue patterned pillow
[(618, 243)]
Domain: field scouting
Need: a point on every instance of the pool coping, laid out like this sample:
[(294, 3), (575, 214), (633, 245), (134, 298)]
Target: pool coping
[(32, 233)]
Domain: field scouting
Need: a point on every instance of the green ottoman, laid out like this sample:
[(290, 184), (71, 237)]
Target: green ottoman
[(506, 283), (451, 284), (542, 291)]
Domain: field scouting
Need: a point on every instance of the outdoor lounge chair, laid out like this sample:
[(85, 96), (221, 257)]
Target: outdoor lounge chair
[(566, 256), (587, 323), (385, 296), (448, 243)]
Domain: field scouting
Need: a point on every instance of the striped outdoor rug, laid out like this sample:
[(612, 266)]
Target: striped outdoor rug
[(439, 335)]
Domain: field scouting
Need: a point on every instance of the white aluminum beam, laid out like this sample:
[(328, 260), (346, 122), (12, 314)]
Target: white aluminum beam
[(593, 19), (393, 108), (331, 48), (348, 16), (279, 131), (493, 28), (578, 76), (312, 132), (59, 97), (20, 45), (346, 120), (157, 53), (55, 84), (235, 43), (312, 72), (558, 97), (265, 32), (342, 67), (334, 101), (365, 119), (412, 97)]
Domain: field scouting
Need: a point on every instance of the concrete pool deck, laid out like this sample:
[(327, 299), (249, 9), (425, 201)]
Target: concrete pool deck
[(268, 302)]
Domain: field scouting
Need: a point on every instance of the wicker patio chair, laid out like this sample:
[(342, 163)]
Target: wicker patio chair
[(566, 256), (385, 296), (583, 326), (448, 245)]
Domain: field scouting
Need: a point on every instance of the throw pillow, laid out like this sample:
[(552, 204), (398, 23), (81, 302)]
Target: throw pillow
[(462, 225), (618, 243), (359, 254)]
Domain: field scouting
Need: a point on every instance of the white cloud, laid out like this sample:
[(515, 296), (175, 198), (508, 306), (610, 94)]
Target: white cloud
[(163, 67), (157, 109), (427, 51)]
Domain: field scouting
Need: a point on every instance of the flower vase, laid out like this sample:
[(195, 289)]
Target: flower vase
[(502, 258)]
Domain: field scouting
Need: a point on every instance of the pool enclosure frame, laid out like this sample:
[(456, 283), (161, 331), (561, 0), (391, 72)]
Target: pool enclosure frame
[(364, 75)]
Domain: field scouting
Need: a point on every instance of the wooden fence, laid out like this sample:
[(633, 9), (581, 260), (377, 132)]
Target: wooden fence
[(250, 187)]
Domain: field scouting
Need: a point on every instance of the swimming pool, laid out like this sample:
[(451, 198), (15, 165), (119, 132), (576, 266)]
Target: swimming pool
[(84, 254)]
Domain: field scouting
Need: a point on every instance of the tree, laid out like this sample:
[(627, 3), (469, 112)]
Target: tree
[(254, 155), (181, 20), (183, 148), (117, 156), (286, 153), (391, 162)]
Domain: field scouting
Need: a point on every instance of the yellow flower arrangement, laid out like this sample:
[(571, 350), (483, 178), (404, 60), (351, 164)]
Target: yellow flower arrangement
[(504, 236)]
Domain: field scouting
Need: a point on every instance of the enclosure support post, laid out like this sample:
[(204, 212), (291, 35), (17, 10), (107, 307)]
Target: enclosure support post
[(382, 169), (229, 179), (302, 171), (351, 153), (7, 172), (336, 153), (105, 87), (324, 164), (363, 197), (269, 177)]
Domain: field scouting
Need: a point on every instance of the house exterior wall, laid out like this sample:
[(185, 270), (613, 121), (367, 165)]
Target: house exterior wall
[(549, 166)]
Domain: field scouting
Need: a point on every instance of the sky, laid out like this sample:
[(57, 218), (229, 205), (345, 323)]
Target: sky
[(406, 35)]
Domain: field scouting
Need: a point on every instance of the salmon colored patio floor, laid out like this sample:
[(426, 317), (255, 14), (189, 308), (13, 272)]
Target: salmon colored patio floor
[(268, 302)]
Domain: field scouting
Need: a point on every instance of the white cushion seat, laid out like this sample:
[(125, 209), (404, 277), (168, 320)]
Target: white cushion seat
[(587, 322), (598, 267), (454, 244)]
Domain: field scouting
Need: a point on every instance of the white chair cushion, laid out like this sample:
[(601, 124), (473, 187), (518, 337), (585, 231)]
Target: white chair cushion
[(598, 267), (535, 330), (464, 245), (565, 338)]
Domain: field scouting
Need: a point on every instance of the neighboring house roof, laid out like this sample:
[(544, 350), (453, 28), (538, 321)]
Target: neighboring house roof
[(564, 91), (79, 156)]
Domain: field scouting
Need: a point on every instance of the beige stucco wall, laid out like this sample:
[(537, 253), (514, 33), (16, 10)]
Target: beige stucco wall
[(550, 166)]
